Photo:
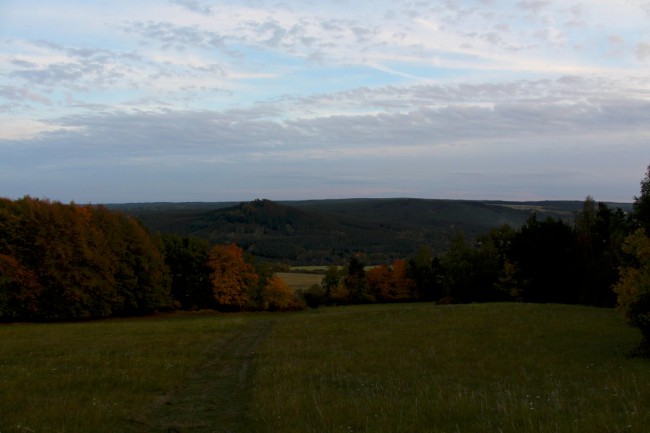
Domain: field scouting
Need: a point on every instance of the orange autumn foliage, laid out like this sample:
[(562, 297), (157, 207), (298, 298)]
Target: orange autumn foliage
[(390, 283), (278, 296), (232, 277)]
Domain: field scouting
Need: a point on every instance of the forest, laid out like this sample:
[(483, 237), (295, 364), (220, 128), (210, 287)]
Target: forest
[(70, 262), (324, 232)]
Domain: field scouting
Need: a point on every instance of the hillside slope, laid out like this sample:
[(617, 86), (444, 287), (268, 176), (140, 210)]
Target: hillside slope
[(329, 231)]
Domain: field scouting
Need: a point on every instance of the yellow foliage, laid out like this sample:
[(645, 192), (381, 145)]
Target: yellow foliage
[(634, 280), (339, 294), (279, 296)]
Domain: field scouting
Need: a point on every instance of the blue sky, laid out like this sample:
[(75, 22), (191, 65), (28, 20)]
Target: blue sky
[(196, 100)]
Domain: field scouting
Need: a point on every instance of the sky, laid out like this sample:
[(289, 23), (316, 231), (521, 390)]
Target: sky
[(197, 100)]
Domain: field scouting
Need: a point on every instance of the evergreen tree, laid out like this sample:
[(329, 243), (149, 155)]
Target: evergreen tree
[(426, 272), (545, 255), (642, 203), (355, 281), (600, 232), (187, 259)]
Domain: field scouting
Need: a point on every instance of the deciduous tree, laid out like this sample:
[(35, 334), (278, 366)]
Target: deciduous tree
[(86, 260), (232, 277), (633, 288), (278, 296), (391, 283), (19, 290)]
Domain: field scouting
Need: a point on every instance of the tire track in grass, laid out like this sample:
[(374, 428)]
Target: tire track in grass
[(216, 397)]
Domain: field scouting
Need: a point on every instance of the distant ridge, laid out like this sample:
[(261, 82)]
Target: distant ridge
[(329, 231)]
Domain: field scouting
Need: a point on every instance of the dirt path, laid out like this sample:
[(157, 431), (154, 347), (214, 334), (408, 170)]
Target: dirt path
[(216, 398)]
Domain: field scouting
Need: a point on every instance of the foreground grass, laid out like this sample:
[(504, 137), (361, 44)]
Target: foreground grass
[(391, 368), (475, 368), (100, 376)]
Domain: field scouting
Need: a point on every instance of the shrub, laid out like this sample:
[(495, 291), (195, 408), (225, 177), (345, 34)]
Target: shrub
[(633, 288)]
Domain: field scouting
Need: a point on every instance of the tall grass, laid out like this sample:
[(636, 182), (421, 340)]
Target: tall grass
[(98, 376), (476, 368)]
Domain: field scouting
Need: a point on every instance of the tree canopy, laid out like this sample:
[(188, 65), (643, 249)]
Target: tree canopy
[(62, 261)]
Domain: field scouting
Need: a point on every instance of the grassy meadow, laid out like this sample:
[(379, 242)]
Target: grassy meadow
[(470, 368), (99, 376), (381, 368), (300, 280)]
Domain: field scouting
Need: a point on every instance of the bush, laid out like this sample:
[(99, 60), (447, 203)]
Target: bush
[(639, 317), (278, 296), (314, 297), (633, 288)]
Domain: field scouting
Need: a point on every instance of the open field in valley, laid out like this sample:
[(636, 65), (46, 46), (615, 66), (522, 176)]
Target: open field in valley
[(381, 368), (300, 280)]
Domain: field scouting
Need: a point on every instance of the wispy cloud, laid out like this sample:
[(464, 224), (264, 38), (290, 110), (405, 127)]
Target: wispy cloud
[(471, 98)]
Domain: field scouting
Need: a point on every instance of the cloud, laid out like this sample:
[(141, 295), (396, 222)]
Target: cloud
[(535, 6), (179, 38), (434, 93), (195, 6), (643, 52), (411, 118), (23, 95)]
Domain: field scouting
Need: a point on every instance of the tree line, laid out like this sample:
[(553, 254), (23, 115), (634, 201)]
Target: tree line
[(602, 259), (62, 261), (545, 261), (72, 261), (68, 262)]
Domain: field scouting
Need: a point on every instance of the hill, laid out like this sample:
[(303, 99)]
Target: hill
[(329, 231)]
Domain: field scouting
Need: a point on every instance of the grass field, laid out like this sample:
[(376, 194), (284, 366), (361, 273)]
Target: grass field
[(101, 376), (382, 368), (473, 368), (300, 280), (310, 269)]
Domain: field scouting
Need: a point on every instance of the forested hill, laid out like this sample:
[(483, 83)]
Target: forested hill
[(329, 231)]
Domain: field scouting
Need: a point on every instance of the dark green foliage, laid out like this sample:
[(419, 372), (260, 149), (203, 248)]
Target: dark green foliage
[(471, 272), (355, 282), (546, 254), (187, 259), (426, 271), (331, 279), (641, 212), (314, 296), (600, 233), (546, 260), (322, 232), (265, 272), (639, 313)]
